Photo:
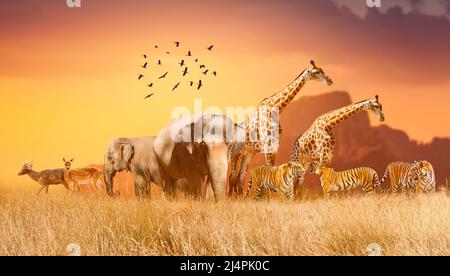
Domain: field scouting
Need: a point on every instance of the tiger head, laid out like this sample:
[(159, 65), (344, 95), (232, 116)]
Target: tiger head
[(321, 169), (423, 171), (296, 168)]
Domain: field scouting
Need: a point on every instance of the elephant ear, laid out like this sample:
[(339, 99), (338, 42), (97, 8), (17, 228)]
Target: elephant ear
[(127, 152)]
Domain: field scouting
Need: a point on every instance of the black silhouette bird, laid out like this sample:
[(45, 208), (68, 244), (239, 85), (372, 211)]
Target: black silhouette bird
[(202, 66), (210, 47), (163, 76), (206, 72), (140, 76), (144, 55), (214, 73), (199, 84), (148, 96), (185, 71), (181, 63), (176, 86), (177, 44), (191, 83), (196, 60), (189, 54), (168, 53), (159, 62), (145, 65), (156, 46), (150, 84)]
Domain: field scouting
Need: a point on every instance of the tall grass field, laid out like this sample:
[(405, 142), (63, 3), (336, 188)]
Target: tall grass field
[(98, 225)]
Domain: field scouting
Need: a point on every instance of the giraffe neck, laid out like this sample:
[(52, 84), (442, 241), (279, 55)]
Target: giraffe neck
[(281, 99), (34, 175), (338, 116)]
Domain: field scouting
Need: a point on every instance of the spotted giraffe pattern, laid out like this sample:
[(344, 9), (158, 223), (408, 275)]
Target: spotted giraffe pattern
[(315, 146), (262, 128)]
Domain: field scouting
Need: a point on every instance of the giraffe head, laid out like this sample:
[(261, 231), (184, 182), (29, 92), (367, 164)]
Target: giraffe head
[(377, 108), (316, 73)]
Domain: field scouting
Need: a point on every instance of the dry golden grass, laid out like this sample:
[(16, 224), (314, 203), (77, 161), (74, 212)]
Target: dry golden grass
[(44, 225)]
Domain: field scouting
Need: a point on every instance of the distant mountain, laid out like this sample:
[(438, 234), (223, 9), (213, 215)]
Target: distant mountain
[(357, 142)]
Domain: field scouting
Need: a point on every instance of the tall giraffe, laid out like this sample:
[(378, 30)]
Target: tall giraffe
[(315, 146), (262, 128)]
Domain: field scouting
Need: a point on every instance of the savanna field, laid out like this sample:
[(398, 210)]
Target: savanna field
[(45, 225)]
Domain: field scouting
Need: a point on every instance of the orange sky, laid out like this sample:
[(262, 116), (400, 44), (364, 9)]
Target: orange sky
[(68, 77)]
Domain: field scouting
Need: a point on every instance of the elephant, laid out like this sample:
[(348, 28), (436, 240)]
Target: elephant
[(136, 156), (194, 147)]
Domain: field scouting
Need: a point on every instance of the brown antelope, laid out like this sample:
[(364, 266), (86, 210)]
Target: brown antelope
[(83, 176), (45, 178)]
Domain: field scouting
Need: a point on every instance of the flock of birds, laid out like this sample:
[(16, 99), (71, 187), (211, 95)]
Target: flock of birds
[(184, 69)]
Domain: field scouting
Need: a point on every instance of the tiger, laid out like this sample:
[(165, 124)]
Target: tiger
[(275, 180), (417, 176), (332, 181)]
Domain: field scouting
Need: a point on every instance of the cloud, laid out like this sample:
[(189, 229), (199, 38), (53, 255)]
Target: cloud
[(435, 8)]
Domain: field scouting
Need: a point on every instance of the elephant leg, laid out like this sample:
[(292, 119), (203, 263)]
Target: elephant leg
[(218, 165), (205, 182), (46, 189), (168, 187), (141, 186)]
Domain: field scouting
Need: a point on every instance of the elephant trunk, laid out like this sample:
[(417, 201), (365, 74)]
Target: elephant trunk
[(218, 165)]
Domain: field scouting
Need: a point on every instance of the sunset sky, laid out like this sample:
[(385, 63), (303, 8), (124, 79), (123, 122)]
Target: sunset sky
[(68, 77)]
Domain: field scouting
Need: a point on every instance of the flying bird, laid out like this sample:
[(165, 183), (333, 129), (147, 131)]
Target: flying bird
[(163, 76), (189, 54), (156, 46), (150, 84), (191, 83), (199, 84), (181, 63), (145, 65), (196, 60), (168, 53), (148, 96), (159, 62), (176, 86), (206, 72), (177, 44), (185, 71), (140, 76), (214, 73), (210, 47), (202, 66), (144, 55)]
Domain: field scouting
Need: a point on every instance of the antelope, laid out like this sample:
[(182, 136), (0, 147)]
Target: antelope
[(45, 178), (83, 176)]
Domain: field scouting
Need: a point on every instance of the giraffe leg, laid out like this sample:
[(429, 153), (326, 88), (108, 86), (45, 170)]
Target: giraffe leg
[(245, 164), (235, 164)]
